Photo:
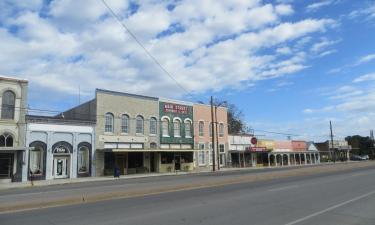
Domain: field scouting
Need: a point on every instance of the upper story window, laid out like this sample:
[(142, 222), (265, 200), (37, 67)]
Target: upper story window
[(139, 125), (153, 125), (6, 140), (177, 128), (165, 127), (210, 129), (109, 122), (125, 124), (221, 130), (187, 128), (8, 105), (201, 128)]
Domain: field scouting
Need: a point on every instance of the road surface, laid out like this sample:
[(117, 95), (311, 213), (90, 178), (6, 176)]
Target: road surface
[(340, 197)]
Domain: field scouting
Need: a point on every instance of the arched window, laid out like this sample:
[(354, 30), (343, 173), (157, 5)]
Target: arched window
[(165, 127), (221, 130), (210, 129), (109, 122), (201, 127), (139, 125), (36, 158), (125, 124), (6, 140), (83, 160), (8, 105), (187, 129), (153, 145), (153, 126), (177, 128)]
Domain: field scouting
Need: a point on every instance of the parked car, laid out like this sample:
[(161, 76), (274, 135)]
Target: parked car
[(356, 158), (365, 157)]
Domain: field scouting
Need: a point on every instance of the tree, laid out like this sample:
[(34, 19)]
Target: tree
[(361, 145), (236, 124)]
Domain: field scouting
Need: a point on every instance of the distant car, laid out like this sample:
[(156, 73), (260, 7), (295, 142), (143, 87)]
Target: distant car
[(365, 157), (356, 158)]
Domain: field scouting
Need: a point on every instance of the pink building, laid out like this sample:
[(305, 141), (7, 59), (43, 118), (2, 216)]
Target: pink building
[(299, 146), (283, 146), (203, 136)]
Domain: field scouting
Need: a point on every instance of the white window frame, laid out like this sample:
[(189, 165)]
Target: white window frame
[(221, 129), (153, 126), (201, 128), (201, 155), (137, 119), (86, 160), (109, 123), (188, 132), (125, 123), (165, 122)]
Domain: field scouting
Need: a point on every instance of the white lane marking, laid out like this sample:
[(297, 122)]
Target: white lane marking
[(331, 208), (284, 188)]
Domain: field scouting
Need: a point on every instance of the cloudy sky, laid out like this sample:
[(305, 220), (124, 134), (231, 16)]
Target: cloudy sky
[(290, 66)]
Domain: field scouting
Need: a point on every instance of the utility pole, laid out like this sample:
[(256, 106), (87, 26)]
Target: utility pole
[(212, 132), (332, 147), (217, 141)]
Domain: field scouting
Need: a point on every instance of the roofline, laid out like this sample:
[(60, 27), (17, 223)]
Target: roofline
[(49, 119), (125, 94), (208, 105), (2, 77), (168, 100)]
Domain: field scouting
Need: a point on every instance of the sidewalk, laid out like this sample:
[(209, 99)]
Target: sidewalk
[(39, 183)]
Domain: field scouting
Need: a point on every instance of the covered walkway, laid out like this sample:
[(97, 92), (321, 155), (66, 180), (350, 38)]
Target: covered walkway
[(293, 158)]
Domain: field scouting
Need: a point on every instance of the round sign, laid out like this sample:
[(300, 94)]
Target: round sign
[(254, 141)]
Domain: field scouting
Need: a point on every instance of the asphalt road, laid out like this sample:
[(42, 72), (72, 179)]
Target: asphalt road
[(334, 198)]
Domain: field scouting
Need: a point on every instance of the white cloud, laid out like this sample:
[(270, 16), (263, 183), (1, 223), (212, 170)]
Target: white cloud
[(366, 77), (79, 43), (323, 44), (368, 12), (365, 59), (317, 5)]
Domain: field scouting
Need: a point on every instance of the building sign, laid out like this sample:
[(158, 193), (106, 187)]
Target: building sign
[(257, 149), (254, 140), (173, 108), (61, 150)]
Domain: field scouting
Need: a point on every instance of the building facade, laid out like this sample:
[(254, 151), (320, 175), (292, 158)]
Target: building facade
[(203, 136), (176, 135), (59, 148), (333, 151), (13, 102)]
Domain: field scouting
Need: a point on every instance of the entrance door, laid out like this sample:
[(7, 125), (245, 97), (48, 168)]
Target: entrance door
[(121, 163), (177, 162), (222, 160), (152, 162), (6, 165), (60, 167)]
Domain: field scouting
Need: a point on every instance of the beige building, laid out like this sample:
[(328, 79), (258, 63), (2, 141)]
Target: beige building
[(13, 101), (126, 131), (203, 136)]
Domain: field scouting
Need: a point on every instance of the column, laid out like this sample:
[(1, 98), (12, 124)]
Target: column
[(288, 159), (269, 160), (305, 158), (282, 160)]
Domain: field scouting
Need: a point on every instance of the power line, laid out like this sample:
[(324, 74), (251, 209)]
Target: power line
[(123, 25)]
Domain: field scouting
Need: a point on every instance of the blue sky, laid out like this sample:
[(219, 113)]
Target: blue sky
[(290, 66)]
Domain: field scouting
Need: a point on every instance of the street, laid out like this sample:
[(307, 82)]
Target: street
[(339, 197)]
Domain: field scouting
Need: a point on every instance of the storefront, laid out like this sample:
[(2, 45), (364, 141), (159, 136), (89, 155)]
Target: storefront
[(176, 136), (58, 148)]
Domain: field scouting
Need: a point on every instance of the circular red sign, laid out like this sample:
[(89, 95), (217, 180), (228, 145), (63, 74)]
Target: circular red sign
[(254, 141)]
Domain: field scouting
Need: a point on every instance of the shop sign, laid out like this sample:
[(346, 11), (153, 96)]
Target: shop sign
[(61, 149), (258, 149), (254, 140), (173, 108)]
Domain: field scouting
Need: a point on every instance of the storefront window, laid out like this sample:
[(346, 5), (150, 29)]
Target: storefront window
[(153, 126), (167, 157), (186, 157), (165, 127), (201, 155), (201, 127), (139, 125), (83, 160), (36, 161)]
